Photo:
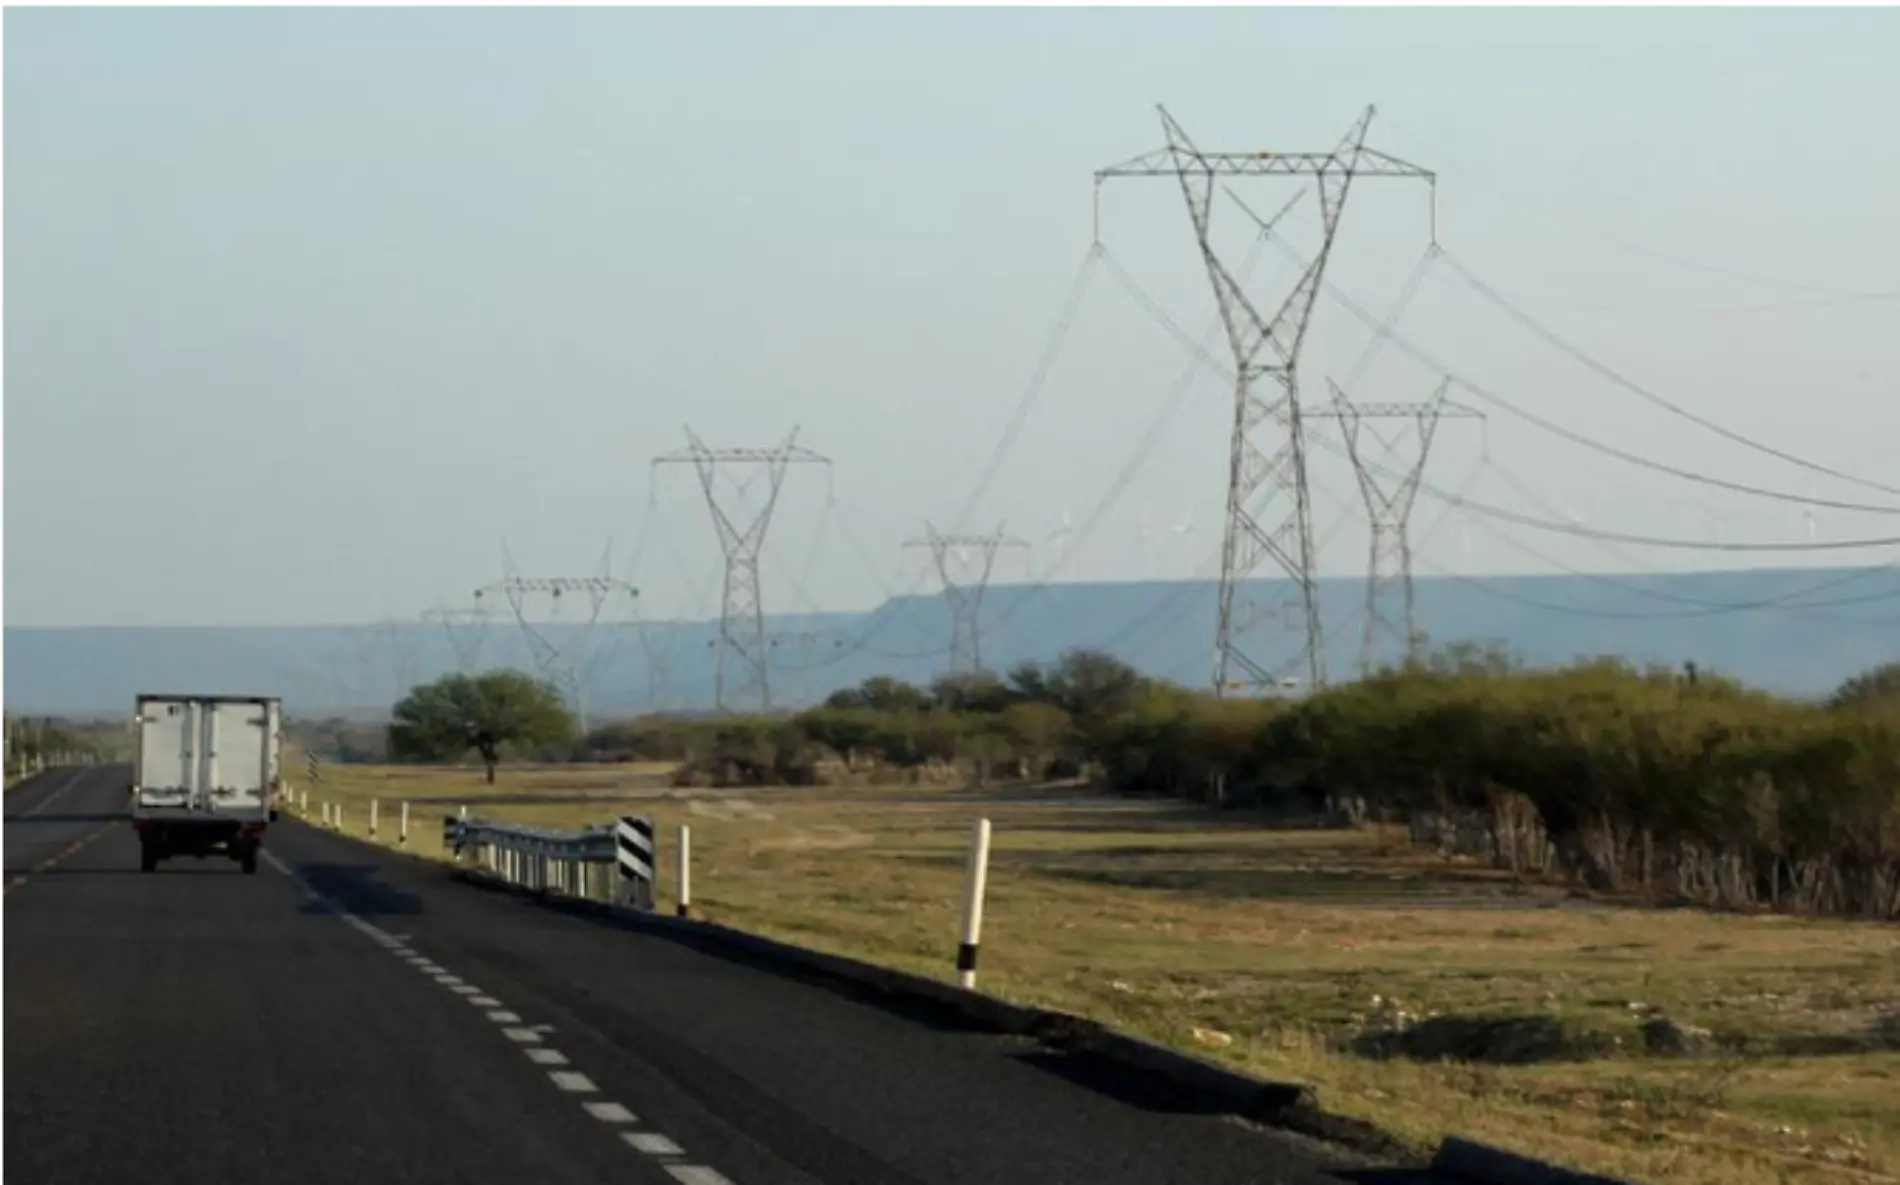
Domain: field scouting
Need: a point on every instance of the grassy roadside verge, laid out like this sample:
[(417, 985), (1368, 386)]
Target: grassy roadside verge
[(1272, 949)]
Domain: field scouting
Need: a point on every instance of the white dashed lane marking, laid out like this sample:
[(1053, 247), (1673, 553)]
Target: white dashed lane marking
[(573, 1082), (529, 1037), (653, 1144)]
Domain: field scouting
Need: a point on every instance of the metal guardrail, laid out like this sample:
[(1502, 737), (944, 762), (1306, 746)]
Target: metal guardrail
[(610, 863)]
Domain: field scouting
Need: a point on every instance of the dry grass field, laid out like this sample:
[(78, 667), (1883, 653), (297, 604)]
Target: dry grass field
[(1286, 952)]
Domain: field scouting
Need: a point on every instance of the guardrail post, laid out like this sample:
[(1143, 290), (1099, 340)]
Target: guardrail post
[(974, 885), (633, 854), (685, 871)]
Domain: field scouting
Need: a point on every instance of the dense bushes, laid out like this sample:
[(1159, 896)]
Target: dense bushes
[(1677, 784), (1623, 780)]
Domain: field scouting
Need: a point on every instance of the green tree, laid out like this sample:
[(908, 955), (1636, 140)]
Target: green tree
[(1092, 686), (488, 713), (974, 691), (1876, 688), (880, 693), (1038, 732)]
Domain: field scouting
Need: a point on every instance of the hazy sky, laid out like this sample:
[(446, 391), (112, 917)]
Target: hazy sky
[(307, 311)]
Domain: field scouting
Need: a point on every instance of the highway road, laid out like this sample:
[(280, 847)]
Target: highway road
[(353, 1016)]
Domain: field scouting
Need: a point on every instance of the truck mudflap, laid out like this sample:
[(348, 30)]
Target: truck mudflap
[(160, 839)]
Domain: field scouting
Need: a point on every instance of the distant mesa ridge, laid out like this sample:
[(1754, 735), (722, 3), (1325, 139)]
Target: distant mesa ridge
[(1163, 627)]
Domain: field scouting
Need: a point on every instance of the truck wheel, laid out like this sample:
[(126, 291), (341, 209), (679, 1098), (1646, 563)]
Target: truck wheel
[(148, 858), (248, 861)]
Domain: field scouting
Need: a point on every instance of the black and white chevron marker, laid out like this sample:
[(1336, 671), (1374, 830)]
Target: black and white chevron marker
[(633, 854)]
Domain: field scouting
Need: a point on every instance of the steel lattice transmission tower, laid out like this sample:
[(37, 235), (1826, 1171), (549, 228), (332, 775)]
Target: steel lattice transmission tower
[(561, 664), (964, 584), (742, 637), (1269, 510), (1389, 603)]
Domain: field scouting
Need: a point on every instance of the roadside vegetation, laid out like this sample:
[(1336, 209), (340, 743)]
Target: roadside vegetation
[(1636, 921), (1668, 785)]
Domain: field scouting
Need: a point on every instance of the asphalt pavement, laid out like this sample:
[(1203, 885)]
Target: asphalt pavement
[(354, 1016)]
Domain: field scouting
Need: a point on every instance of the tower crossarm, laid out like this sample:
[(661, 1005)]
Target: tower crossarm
[(1445, 409), (1368, 162)]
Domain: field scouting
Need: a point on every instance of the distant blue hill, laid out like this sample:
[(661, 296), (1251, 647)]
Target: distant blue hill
[(1165, 628)]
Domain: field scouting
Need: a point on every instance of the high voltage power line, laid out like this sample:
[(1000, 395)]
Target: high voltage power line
[(1269, 452)]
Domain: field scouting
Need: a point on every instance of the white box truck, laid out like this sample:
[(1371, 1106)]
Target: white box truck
[(205, 776)]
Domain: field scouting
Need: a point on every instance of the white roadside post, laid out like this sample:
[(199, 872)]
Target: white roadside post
[(326, 813), (973, 887), (686, 871), (337, 816), (372, 817), (402, 827)]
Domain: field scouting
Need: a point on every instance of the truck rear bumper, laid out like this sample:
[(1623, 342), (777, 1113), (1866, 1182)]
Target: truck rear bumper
[(199, 837)]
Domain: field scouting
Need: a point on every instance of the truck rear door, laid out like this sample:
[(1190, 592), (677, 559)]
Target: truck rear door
[(207, 755)]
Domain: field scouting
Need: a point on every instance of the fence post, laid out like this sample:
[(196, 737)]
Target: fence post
[(973, 888), (686, 871)]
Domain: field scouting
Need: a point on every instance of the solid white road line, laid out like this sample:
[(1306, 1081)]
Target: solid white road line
[(72, 779)]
